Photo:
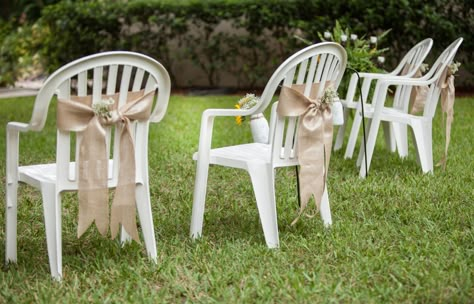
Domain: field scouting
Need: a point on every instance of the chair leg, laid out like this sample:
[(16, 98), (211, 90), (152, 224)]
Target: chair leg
[(199, 199), (400, 133), (417, 153), (388, 132), (341, 131), (424, 146), (263, 182), (52, 221), (353, 135), (325, 209), (11, 222), (146, 219), (373, 130)]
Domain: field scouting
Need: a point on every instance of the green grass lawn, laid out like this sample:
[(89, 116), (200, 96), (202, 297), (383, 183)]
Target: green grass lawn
[(398, 236)]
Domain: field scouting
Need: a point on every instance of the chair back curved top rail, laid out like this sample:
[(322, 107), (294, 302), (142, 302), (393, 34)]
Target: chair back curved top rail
[(413, 58), (435, 73), (115, 58)]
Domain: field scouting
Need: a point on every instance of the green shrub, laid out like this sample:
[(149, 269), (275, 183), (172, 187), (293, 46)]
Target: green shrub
[(20, 52), (262, 32)]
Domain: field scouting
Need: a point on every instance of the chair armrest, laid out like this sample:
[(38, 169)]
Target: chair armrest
[(12, 147), (226, 112), (382, 86), (18, 126), (207, 124), (401, 80), (375, 75)]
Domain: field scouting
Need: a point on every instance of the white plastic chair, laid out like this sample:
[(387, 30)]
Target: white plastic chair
[(395, 135), (317, 63), (421, 125), (117, 72)]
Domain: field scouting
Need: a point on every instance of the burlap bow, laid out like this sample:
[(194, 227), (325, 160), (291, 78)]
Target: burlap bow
[(314, 139), (446, 83), (77, 115), (418, 93)]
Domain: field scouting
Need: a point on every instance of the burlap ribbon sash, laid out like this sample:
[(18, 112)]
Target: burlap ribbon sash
[(418, 93), (77, 115), (446, 83), (314, 139)]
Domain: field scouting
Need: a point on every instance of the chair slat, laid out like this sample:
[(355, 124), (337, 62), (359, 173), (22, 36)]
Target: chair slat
[(290, 137), (64, 139), (302, 70), (137, 83), (124, 84), (97, 85), (82, 84), (310, 75), (321, 59), (112, 79)]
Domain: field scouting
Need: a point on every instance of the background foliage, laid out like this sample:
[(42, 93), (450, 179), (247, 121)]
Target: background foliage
[(197, 32)]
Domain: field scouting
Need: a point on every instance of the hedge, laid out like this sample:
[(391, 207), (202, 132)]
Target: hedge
[(261, 33)]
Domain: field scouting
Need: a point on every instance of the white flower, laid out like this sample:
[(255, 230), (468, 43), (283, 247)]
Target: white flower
[(247, 102), (373, 39), (329, 96), (424, 67), (381, 59), (353, 37), (343, 38), (102, 107), (454, 67), (327, 35)]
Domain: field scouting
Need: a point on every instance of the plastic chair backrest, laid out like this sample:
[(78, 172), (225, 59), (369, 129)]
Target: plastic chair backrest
[(96, 75), (434, 75), (318, 63), (414, 58)]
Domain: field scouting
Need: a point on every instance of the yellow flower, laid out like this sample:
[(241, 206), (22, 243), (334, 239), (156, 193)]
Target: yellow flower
[(238, 120), (245, 103)]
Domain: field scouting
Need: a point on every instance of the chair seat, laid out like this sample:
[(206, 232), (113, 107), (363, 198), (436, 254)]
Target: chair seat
[(238, 156), (393, 114), (35, 175)]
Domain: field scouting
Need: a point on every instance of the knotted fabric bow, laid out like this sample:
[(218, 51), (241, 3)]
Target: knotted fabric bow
[(314, 138), (76, 115), (446, 83), (418, 93)]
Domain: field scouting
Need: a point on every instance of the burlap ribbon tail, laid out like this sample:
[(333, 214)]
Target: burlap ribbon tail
[(418, 93), (446, 83), (314, 138), (76, 115)]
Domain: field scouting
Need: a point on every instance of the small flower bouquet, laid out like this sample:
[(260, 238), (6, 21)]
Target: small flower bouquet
[(245, 103), (329, 96), (424, 68), (453, 68), (103, 107)]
